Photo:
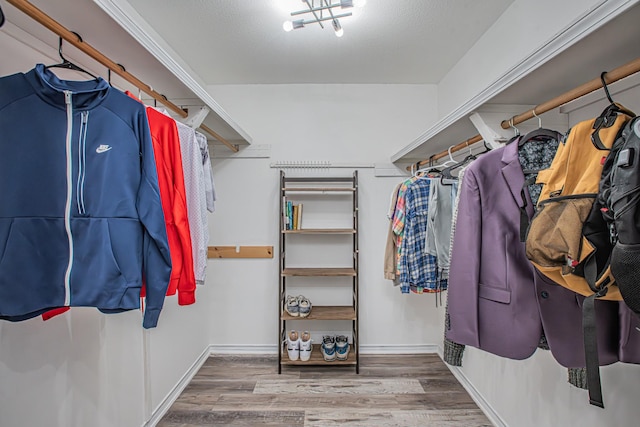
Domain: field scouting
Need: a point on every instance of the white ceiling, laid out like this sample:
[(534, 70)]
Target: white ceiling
[(242, 41)]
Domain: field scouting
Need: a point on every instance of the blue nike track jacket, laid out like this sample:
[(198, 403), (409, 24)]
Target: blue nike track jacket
[(81, 222)]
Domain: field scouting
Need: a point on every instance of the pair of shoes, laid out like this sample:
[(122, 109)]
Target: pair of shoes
[(335, 347), (299, 346), (299, 306)]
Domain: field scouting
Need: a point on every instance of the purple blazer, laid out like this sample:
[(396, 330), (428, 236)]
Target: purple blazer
[(497, 300)]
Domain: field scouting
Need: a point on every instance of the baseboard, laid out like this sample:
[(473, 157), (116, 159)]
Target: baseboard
[(477, 397), (399, 349), (244, 349), (364, 349), (173, 395)]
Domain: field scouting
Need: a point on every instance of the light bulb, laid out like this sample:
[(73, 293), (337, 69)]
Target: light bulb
[(287, 26), (359, 3), (339, 32)]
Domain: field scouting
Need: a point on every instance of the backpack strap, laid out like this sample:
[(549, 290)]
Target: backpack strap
[(591, 350)]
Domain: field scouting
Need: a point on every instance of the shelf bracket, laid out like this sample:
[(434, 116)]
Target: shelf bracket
[(195, 120)]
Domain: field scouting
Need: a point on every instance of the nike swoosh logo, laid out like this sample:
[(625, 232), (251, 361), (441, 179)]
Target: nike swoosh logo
[(103, 149)]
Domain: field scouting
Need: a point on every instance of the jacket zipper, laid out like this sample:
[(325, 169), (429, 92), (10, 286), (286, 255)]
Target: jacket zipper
[(82, 162), (67, 211)]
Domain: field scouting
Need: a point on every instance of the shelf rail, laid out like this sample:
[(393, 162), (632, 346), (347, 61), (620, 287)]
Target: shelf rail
[(609, 77), (72, 38)]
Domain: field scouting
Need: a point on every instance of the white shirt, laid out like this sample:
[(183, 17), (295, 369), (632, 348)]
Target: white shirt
[(209, 186)]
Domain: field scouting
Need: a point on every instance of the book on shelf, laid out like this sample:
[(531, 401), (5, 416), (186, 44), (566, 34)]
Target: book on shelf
[(292, 215), (299, 217)]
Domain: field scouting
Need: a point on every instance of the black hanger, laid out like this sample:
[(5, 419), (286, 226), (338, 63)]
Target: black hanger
[(447, 178), (1, 17), (432, 168), (446, 172), (608, 117), (66, 63), (537, 133), (604, 86)]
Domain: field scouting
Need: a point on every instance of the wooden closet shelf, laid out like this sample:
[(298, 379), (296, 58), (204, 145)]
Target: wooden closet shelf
[(325, 312), (321, 231), (333, 189), (318, 272), (316, 358)]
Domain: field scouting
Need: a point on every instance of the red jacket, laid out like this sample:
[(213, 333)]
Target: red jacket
[(166, 146)]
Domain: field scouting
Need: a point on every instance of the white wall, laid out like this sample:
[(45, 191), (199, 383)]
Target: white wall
[(535, 392), (521, 30), (84, 368), (338, 123)]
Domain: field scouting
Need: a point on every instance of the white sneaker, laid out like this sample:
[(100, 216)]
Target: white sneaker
[(291, 306), (293, 346), (342, 347), (305, 346), (328, 348), (304, 306)]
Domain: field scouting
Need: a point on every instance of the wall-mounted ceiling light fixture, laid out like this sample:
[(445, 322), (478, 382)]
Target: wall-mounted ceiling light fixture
[(323, 11)]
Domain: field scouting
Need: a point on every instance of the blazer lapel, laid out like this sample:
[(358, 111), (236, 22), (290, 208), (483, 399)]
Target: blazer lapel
[(513, 176)]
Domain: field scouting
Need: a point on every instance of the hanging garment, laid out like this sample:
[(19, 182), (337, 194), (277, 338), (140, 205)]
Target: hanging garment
[(491, 282), (166, 147), (398, 219), (390, 251), (196, 198), (452, 351), (532, 157), (209, 186), (418, 270), (438, 239), (81, 220)]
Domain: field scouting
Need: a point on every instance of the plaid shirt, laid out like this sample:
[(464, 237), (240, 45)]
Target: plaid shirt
[(417, 269), (398, 218)]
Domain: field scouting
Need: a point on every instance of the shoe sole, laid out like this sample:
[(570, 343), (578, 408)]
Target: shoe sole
[(292, 314)]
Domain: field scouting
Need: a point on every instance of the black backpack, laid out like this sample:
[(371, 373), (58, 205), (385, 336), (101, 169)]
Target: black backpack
[(619, 197)]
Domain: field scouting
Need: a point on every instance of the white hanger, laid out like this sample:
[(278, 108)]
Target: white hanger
[(451, 161), (537, 117), (515, 129)]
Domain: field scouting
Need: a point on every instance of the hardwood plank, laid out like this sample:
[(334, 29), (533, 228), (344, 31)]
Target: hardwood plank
[(236, 418), (367, 418), (220, 372), (338, 386), (395, 360), (436, 385), (325, 312), (319, 272), (300, 401), (241, 360), (199, 385)]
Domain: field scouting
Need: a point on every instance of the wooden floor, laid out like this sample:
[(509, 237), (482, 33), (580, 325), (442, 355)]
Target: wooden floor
[(411, 390)]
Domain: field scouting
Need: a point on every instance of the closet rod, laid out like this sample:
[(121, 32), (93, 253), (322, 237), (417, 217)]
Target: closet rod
[(70, 37), (610, 77), (210, 131)]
